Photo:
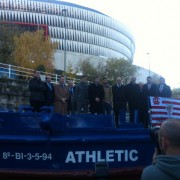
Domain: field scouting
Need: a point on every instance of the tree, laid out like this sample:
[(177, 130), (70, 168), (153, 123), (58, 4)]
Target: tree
[(120, 68), (33, 50), (112, 69), (86, 67), (176, 93), (8, 31)]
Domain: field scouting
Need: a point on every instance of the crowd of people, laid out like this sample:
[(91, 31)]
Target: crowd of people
[(96, 97), (102, 98)]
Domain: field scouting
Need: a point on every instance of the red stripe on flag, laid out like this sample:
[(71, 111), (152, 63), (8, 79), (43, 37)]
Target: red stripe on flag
[(158, 107), (175, 108), (167, 109), (176, 114), (157, 124), (171, 102), (159, 118), (159, 112)]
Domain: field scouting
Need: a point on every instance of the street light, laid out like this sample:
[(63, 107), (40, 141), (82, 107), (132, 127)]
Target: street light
[(148, 54), (64, 12)]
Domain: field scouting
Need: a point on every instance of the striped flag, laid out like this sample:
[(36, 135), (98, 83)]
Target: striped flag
[(163, 108)]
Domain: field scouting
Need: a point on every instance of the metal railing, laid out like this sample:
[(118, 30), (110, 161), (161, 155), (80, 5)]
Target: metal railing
[(17, 72)]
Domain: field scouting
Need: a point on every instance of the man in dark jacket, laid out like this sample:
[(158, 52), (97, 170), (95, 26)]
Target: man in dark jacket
[(133, 95), (71, 103), (163, 89), (119, 100), (96, 97), (166, 165), (49, 93), (81, 96), (149, 89), (37, 92)]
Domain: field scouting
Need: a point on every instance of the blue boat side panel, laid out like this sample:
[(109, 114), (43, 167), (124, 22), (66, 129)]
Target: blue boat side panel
[(19, 121), (42, 141), (57, 122), (89, 121), (55, 153)]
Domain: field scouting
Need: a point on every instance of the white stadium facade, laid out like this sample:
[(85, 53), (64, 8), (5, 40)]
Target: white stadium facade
[(81, 33)]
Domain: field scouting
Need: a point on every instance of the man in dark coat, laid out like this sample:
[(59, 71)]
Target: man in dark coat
[(119, 100), (71, 103), (163, 89), (81, 96), (49, 93), (149, 89), (96, 97), (133, 95), (37, 92)]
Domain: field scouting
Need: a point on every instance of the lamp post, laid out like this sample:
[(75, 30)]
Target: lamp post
[(148, 54), (64, 11)]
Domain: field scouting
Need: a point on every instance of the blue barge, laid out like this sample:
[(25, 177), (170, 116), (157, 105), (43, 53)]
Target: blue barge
[(74, 146)]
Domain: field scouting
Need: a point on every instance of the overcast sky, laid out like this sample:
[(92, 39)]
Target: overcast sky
[(155, 25)]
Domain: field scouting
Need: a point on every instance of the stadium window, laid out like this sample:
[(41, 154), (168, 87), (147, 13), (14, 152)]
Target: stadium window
[(53, 10), (57, 21), (42, 9), (6, 5), (72, 13), (16, 7), (76, 14), (48, 9), (57, 10)]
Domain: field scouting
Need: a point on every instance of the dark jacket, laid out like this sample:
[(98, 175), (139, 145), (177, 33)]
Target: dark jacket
[(71, 103), (95, 91), (146, 93), (37, 90), (119, 99), (133, 95), (49, 94), (166, 92), (81, 93), (149, 92)]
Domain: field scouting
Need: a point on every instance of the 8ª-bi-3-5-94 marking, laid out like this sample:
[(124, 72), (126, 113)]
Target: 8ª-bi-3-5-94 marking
[(26, 156)]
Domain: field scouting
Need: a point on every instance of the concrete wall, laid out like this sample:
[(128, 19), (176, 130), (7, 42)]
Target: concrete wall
[(13, 93)]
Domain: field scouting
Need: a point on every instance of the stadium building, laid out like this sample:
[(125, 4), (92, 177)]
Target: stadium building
[(81, 33)]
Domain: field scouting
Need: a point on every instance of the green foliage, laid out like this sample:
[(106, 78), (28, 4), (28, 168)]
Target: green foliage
[(120, 68), (70, 68), (7, 33), (112, 69), (176, 93), (41, 67), (86, 67)]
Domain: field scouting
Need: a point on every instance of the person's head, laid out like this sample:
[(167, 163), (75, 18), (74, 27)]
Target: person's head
[(83, 79), (36, 74), (96, 80), (149, 79), (141, 85), (105, 81), (118, 80), (48, 79), (169, 137), (62, 80), (162, 80), (70, 84), (133, 79)]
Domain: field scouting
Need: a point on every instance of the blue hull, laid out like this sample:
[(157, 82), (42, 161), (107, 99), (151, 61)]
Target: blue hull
[(36, 142)]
